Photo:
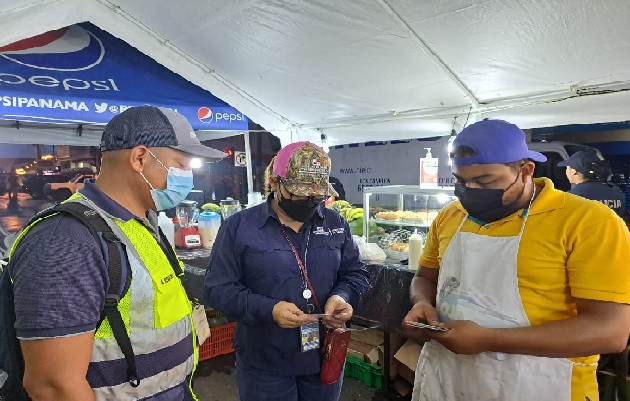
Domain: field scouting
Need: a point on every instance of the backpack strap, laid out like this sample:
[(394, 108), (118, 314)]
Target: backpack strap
[(118, 272), (112, 248), (170, 254)]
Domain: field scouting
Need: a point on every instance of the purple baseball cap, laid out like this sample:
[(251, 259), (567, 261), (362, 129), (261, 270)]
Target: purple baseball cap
[(495, 142)]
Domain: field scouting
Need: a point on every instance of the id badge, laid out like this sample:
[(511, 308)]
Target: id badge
[(201, 323), (310, 336)]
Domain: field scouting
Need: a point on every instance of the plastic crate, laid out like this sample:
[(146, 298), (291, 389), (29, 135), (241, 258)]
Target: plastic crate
[(220, 341), (370, 375)]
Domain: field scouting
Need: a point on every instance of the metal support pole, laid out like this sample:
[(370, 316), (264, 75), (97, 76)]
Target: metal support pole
[(248, 158)]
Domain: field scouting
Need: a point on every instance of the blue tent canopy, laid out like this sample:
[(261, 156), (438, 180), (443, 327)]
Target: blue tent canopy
[(83, 75)]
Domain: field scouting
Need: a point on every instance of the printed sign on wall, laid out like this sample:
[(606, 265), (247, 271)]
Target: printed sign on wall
[(240, 159), (386, 163)]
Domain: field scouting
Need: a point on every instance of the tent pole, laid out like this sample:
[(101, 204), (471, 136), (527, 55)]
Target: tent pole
[(248, 158)]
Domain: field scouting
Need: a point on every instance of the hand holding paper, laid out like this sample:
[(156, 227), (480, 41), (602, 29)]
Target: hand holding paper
[(340, 310)]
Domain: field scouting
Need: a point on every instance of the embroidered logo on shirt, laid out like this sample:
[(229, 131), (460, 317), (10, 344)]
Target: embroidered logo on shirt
[(328, 231)]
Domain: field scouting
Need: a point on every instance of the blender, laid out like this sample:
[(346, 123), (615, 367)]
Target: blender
[(187, 235), (229, 207)]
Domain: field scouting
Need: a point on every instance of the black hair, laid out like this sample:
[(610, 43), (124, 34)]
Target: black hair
[(463, 152), (517, 164), (597, 171), (268, 175)]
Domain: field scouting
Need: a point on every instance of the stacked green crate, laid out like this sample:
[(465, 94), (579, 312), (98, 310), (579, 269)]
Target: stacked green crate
[(370, 375)]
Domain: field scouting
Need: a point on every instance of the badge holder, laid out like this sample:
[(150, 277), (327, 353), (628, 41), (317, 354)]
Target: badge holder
[(309, 333), (200, 321), (310, 336)]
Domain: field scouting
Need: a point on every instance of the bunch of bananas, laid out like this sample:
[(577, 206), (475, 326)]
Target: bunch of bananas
[(212, 207), (353, 214), (345, 210), (340, 204)]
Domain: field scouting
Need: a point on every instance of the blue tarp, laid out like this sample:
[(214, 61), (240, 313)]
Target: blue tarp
[(83, 75)]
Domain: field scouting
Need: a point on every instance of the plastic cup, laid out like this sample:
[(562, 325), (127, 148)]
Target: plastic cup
[(208, 227)]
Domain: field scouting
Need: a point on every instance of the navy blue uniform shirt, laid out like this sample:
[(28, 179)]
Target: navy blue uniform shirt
[(252, 267), (59, 274), (612, 197)]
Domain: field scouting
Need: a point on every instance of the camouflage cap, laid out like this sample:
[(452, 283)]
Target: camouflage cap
[(304, 169)]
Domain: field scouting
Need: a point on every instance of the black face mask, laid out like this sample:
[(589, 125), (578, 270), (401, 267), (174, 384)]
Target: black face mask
[(486, 204), (298, 210)]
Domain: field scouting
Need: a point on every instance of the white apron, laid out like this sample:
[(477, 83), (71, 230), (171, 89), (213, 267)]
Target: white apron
[(478, 282)]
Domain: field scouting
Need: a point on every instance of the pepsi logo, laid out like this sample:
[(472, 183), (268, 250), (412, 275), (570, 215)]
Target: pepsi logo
[(204, 114), (68, 49)]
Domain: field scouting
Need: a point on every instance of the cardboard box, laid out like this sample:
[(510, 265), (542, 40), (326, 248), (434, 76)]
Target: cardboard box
[(358, 349), (355, 354), (396, 341), (402, 387), (406, 373), (374, 356), (366, 352), (408, 356), (370, 336)]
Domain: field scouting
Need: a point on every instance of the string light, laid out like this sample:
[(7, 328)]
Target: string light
[(196, 163)]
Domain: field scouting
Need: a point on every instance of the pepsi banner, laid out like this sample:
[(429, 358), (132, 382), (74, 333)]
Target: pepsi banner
[(83, 75)]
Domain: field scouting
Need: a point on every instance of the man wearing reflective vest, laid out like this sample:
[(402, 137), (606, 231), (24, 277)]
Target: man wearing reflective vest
[(60, 277)]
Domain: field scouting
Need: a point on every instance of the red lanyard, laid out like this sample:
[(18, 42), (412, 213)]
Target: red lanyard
[(302, 268)]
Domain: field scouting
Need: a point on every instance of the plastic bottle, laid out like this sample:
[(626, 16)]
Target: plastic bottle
[(429, 171), (415, 250), (167, 226)]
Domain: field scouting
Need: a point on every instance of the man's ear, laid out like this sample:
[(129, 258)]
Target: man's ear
[(528, 170), (138, 158)]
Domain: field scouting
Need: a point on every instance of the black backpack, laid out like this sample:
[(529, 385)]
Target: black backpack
[(11, 361)]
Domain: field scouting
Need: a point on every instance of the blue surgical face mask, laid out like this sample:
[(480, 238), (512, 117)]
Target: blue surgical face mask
[(179, 183)]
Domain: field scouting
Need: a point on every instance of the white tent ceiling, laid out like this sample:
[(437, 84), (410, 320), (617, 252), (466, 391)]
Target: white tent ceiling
[(361, 70)]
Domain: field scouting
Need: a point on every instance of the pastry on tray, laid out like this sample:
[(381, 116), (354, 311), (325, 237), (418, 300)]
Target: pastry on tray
[(415, 217), (399, 246), (388, 215)]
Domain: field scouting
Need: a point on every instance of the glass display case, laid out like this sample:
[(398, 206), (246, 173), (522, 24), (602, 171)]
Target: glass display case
[(393, 213)]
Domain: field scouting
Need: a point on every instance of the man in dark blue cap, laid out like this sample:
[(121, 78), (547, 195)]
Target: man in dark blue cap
[(530, 282), (587, 172)]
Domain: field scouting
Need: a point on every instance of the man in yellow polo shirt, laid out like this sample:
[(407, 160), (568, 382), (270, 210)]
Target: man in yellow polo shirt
[(532, 283)]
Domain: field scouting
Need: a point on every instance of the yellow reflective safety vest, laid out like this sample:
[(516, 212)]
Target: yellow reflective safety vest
[(158, 317)]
